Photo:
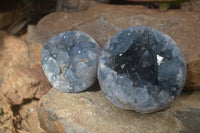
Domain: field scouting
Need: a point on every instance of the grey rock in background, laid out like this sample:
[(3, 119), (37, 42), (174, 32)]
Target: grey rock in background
[(69, 61), (74, 5), (141, 69)]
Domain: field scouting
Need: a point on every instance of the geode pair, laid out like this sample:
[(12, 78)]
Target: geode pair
[(139, 68)]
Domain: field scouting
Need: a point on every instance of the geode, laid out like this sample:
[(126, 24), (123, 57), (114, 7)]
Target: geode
[(141, 69), (70, 60)]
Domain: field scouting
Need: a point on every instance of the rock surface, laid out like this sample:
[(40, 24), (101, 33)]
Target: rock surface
[(191, 5), (74, 5), (22, 84), (21, 77), (141, 69), (6, 117), (9, 17), (91, 112), (103, 21), (70, 60)]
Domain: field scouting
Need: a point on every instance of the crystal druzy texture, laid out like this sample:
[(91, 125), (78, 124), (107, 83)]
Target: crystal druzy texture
[(70, 60), (141, 69)]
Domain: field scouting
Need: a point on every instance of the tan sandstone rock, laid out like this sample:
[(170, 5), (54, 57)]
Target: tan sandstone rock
[(6, 116), (91, 112), (103, 21), (191, 5), (22, 83), (21, 78)]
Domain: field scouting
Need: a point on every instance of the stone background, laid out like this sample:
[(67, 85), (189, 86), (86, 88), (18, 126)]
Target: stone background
[(89, 111), (22, 81), (103, 21)]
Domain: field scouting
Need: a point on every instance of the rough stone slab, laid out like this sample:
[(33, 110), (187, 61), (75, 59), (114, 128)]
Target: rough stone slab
[(9, 17), (191, 5), (90, 112), (20, 77), (22, 83), (103, 21)]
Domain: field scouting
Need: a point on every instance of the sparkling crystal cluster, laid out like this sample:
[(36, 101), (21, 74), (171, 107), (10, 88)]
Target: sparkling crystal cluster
[(69, 61), (141, 69)]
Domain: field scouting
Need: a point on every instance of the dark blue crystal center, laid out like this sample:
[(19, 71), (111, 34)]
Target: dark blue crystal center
[(142, 68)]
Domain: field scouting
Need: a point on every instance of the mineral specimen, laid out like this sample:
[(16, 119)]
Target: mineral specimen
[(141, 69), (69, 61)]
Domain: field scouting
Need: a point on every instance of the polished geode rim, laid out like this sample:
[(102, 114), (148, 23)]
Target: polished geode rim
[(117, 96)]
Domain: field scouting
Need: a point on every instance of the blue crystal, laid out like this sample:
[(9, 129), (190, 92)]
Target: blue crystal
[(141, 69), (69, 61)]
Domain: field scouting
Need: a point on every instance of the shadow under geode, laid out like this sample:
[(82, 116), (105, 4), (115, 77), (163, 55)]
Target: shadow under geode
[(94, 88), (190, 120)]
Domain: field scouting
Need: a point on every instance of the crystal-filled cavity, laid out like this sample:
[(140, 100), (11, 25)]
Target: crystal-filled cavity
[(141, 69), (69, 61)]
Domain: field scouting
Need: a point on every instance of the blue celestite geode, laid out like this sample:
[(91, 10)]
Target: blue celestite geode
[(141, 69), (69, 61)]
